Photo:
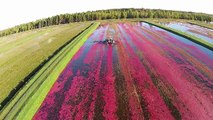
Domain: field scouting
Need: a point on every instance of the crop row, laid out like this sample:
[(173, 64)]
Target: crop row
[(149, 73)]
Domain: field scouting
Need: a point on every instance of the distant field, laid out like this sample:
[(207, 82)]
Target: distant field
[(21, 53)]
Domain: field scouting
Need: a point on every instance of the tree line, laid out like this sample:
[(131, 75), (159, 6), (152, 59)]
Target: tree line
[(107, 14)]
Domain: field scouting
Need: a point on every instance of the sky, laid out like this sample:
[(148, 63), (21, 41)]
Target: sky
[(15, 12)]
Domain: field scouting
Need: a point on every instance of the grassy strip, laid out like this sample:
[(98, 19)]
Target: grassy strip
[(201, 25), (19, 63), (43, 75), (183, 34), (31, 107), (33, 82), (32, 73), (30, 97)]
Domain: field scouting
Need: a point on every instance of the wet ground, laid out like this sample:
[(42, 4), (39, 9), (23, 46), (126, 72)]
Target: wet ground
[(148, 74), (200, 32)]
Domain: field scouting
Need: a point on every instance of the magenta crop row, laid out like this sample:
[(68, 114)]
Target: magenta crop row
[(148, 73)]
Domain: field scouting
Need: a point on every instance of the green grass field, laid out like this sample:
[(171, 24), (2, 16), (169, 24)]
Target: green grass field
[(21, 53), (27, 101)]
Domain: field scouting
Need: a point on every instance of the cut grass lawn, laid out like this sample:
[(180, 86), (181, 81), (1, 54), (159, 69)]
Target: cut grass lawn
[(183, 34), (21, 53), (27, 101)]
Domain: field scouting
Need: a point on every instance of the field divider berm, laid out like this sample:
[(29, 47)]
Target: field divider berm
[(183, 34), (25, 103), (201, 25)]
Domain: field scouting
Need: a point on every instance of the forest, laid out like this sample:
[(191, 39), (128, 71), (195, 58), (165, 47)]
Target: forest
[(107, 14)]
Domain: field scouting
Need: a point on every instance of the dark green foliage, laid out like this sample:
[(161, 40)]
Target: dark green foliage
[(107, 14)]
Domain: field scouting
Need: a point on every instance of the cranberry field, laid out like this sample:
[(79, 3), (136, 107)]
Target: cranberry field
[(148, 73)]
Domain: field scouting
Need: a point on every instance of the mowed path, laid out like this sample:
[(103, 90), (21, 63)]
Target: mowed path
[(148, 74)]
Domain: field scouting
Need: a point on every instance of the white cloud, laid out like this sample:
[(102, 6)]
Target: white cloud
[(14, 12)]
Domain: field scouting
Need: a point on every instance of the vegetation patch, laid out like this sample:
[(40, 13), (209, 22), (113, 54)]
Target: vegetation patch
[(29, 98)]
